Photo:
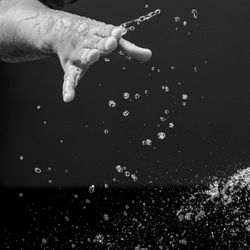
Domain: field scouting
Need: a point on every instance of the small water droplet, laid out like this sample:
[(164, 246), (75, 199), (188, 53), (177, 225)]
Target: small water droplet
[(92, 189), (119, 168), (161, 135), (106, 59), (105, 217), (21, 157), (125, 113), (99, 238), (184, 96), (147, 142), (195, 13), (127, 173), (171, 125), (163, 119), (126, 95), (137, 96), (112, 103), (185, 23), (38, 170), (134, 177), (177, 19), (165, 88), (44, 241)]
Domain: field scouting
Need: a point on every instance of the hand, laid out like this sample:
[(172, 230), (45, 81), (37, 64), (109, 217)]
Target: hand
[(79, 42)]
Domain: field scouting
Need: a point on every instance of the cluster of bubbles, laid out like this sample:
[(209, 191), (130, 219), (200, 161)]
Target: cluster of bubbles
[(123, 169), (91, 189)]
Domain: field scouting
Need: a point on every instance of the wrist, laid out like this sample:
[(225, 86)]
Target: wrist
[(22, 35)]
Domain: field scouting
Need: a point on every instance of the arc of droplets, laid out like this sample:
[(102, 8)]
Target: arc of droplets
[(129, 26)]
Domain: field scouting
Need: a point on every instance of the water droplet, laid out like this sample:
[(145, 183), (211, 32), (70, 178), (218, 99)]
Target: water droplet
[(195, 69), (163, 119), (112, 103), (44, 241), (21, 157), (50, 181), (166, 111), (127, 173), (106, 131), (195, 13), (147, 142), (106, 59), (126, 95), (185, 23), (137, 96), (105, 217), (134, 177), (61, 141), (125, 113), (119, 168), (172, 67), (99, 238), (177, 19), (92, 189), (171, 125), (161, 135), (146, 6), (184, 104), (38, 170), (44, 122), (184, 96), (165, 88), (121, 53), (106, 185), (38, 107), (153, 68)]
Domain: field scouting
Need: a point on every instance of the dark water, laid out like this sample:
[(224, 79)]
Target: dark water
[(193, 186)]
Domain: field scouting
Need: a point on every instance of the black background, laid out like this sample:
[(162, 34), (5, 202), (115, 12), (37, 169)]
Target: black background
[(210, 136)]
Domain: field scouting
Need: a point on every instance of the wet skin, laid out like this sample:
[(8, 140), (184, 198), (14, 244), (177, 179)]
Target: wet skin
[(29, 30)]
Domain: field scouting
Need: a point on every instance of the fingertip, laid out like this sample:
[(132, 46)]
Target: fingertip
[(117, 32), (68, 96), (146, 55)]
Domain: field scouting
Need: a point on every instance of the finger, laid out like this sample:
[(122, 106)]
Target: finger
[(105, 45), (106, 30), (71, 78), (134, 52), (88, 57)]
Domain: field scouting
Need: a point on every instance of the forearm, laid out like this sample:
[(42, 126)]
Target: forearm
[(23, 30)]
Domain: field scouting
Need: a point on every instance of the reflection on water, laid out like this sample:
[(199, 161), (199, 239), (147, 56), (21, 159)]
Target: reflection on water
[(212, 217)]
